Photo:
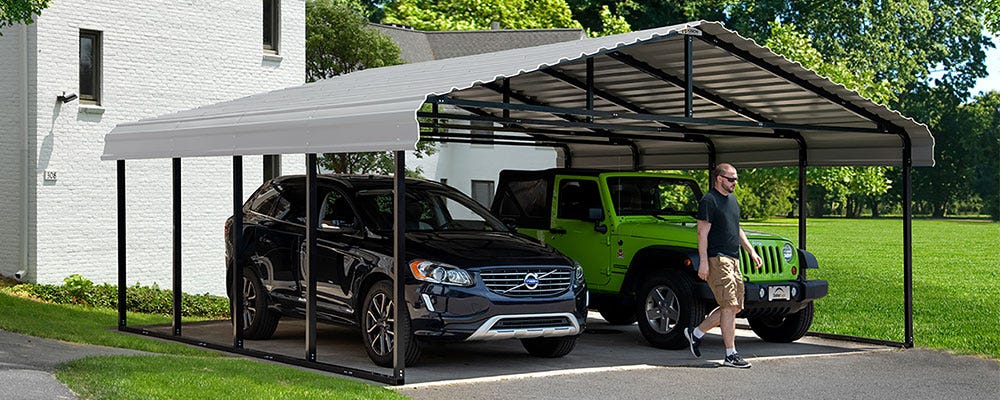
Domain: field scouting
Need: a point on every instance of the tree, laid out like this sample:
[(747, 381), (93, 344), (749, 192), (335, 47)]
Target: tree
[(20, 11), (339, 41), (433, 15)]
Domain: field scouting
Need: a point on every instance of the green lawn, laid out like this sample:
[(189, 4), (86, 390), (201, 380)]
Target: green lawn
[(956, 279), (192, 373), (168, 377)]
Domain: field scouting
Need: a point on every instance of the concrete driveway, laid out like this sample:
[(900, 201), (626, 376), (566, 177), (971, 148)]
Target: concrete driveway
[(615, 363)]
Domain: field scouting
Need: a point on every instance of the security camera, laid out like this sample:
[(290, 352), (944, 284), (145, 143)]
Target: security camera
[(66, 98)]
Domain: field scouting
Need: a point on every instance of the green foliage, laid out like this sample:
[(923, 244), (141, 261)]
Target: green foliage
[(143, 299), (611, 24), (166, 377), (20, 11), (339, 41), (435, 15)]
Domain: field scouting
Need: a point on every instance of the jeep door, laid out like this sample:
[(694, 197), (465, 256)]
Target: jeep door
[(572, 231)]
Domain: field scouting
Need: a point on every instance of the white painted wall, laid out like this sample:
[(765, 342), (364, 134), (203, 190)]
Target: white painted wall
[(159, 57), (460, 163)]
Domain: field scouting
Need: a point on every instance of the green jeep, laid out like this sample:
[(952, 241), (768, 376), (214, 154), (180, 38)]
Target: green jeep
[(635, 235)]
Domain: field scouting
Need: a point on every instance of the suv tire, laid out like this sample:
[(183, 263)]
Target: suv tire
[(259, 321), (549, 347), (618, 313), (377, 330), (665, 305), (783, 328)]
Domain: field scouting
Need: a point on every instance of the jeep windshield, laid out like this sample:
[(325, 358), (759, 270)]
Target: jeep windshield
[(652, 195), (427, 210)]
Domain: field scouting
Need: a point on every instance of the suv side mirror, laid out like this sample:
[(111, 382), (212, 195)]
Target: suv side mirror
[(597, 215), (510, 222)]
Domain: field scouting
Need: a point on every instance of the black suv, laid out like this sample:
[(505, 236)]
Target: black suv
[(470, 276)]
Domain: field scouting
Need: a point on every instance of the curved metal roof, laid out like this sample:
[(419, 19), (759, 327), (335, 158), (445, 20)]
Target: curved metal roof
[(750, 107)]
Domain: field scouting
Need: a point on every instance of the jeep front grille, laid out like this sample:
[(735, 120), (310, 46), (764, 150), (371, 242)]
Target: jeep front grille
[(515, 282), (774, 263)]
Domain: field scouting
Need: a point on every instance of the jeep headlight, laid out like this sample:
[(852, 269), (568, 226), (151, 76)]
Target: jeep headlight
[(578, 274), (436, 272), (788, 252)]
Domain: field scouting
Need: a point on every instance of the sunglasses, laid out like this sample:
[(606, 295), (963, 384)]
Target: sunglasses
[(731, 180)]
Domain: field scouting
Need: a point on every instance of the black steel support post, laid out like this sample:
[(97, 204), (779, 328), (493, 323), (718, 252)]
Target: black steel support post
[(590, 87), (121, 245), (399, 256), (505, 97), (237, 253), (688, 77), (177, 246), (312, 218), (803, 162), (907, 241)]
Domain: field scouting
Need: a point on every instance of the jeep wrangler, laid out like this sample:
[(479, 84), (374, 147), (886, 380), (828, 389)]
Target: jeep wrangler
[(634, 233)]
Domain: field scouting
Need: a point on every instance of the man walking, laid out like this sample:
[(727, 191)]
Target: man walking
[(719, 241)]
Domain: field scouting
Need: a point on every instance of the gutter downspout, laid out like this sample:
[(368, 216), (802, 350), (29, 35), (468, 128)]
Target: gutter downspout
[(23, 274)]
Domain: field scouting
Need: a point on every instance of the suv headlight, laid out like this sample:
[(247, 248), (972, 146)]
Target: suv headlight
[(788, 252), (578, 275), (436, 272)]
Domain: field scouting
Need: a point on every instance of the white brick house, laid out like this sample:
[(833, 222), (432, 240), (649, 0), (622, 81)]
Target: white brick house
[(58, 199)]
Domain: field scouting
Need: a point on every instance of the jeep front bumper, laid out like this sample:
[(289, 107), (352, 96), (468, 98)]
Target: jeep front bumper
[(773, 298)]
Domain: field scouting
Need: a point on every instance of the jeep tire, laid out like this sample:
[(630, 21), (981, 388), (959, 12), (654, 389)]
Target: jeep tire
[(665, 305), (783, 328), (378, 329), (549, 347)]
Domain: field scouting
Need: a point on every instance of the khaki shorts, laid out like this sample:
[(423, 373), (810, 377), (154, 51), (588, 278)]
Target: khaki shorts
[(726, 281)]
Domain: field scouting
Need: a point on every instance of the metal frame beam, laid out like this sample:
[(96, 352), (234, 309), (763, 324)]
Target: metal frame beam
[(177, 246), (312, 219), (237, 232), (400, 268), (122, 269)]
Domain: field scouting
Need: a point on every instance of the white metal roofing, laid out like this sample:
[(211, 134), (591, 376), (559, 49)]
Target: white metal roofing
[(375, 109)]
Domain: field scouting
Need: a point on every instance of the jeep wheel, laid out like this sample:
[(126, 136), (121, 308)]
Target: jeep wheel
[(549, 347), (618, 313), (665, 305), (378, 327), (784, 328), (259, 321)]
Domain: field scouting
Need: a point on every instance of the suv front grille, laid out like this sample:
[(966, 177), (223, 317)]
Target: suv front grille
[(516, 282), (774, 263)]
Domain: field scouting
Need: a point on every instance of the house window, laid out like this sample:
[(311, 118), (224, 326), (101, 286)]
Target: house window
[(482, 192), (272, 166), (272, 16), (90, 67)]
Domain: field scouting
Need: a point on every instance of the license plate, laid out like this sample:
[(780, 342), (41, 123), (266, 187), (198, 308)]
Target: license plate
[(779, 293)]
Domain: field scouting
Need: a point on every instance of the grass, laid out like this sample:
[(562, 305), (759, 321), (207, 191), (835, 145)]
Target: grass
[(167, 377), (956, 282), (190, 373), (73, 323)]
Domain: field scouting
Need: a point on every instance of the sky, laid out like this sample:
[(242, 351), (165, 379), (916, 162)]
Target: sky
[(991, 82)]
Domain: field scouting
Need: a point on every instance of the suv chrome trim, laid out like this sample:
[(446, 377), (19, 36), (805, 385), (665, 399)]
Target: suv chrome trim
[(487, 332)]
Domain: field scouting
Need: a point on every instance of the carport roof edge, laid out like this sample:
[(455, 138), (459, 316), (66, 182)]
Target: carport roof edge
[(375, 109)]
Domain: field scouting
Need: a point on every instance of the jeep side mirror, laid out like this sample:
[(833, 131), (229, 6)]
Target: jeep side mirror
[(597, 215)]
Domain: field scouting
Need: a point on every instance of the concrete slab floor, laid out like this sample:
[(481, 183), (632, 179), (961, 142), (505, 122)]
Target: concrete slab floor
[(601, 347)]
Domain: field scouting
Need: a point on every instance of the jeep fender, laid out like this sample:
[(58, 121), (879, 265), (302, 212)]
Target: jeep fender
[(654, 258)]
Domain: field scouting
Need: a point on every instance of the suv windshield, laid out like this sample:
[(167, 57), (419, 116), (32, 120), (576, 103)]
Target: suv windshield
[(427, 210), (641, 195)]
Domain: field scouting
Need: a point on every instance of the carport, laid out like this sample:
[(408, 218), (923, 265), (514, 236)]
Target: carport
[(677, 97)]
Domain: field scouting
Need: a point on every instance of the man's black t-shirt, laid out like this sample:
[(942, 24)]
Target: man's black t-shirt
[(723, 212)]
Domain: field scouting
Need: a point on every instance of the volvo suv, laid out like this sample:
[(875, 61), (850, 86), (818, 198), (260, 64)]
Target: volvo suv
[(469, 277)]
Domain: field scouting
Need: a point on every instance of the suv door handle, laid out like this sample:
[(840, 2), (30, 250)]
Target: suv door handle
[(559, 231)]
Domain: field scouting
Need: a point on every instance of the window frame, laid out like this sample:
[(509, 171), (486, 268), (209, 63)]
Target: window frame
[(491, 187), (96, 67), (275, 27)]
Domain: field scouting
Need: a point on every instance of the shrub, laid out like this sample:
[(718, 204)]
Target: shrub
[(146, 299)]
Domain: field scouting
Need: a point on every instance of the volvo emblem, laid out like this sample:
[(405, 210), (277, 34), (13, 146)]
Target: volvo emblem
[(531, 281)]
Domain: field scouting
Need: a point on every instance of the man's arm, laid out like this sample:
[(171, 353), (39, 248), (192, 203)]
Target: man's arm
[(753, 253), (703, 228)]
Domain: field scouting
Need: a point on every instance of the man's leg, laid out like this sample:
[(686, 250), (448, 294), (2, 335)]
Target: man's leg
[(711, 321), (727, 322)]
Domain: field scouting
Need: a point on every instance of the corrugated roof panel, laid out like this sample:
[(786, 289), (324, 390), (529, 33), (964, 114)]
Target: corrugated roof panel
[(374, 110)]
